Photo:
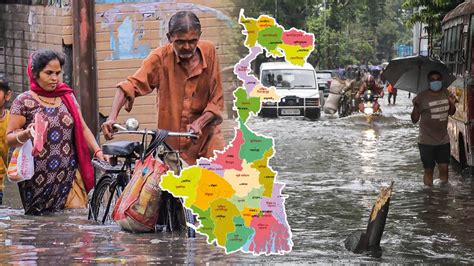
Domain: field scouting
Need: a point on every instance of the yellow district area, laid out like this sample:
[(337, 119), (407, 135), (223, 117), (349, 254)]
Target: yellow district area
[(252, 30), (211, 186), (296, 54), (223, 213), (248, 213), (265, 94), (184, 185), (265, 22), (243, 181), (266, 174)]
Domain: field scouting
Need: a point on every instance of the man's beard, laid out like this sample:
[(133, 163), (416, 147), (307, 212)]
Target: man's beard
[(185, 55)]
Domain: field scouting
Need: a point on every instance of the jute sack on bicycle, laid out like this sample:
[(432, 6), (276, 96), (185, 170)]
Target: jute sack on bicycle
[(137, 208)]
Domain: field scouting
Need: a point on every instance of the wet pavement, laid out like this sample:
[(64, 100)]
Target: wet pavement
[(334, 169)]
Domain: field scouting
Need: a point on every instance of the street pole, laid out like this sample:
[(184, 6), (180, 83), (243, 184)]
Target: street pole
[(276, 9), (324, 29), (84, 61), (419, 39)]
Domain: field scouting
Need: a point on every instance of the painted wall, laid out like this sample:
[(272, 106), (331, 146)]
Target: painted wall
[(126, 31)]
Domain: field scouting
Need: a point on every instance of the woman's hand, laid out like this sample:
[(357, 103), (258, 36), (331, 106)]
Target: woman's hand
[(28, 133)]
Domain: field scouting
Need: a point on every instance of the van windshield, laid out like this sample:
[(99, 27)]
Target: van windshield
[(289, 78)]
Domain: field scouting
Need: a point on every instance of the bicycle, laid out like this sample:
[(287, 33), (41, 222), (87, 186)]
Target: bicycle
[(118, 173), (345, 105)]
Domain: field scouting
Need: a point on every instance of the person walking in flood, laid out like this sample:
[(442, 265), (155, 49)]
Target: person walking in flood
[(432, 108), (68, 140), (392, 92), (5, 95), (186, 74)]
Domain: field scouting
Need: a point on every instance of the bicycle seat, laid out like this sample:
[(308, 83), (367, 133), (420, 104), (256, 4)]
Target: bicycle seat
[(121, 148)]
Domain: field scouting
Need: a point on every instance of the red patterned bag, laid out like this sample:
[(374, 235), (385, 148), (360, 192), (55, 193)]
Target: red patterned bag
[(137, 209)]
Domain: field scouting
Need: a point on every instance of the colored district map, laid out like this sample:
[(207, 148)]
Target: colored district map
[(235, 194)]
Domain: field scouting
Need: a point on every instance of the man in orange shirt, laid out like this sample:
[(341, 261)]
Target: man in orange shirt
[(186, 74), (391, 92)]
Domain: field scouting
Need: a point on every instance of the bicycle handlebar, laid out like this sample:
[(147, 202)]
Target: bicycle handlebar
[(123, 130)]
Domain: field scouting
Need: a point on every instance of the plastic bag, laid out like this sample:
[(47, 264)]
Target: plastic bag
[(137, 208), (39, 136), (22, 164)]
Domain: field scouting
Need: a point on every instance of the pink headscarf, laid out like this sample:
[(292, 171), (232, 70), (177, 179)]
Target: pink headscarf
[(66, 94)]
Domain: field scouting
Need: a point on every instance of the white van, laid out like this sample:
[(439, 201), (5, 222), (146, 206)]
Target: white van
[(297, 86)]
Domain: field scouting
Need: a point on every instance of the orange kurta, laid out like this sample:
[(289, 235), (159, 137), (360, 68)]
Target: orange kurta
[(182, 98)]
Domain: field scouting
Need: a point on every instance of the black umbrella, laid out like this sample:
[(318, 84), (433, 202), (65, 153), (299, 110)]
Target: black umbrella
[(411, 73)]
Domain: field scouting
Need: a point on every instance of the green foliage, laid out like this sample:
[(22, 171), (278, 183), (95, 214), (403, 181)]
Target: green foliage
[(357, 32), (289, 13), (430, 12), (346, 31)]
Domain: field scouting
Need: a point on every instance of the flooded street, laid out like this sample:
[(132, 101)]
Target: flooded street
[(334, 169)]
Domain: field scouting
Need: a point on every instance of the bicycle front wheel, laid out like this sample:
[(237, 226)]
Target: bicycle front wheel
[(103, 200)]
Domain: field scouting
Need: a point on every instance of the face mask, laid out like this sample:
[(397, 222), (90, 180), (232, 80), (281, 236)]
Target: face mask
[(436, 85)]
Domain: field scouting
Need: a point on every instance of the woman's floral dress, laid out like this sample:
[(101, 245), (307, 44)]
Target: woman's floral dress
[(56, 165)]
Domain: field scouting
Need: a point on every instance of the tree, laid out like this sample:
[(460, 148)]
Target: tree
[(346, 31), (430, 13)]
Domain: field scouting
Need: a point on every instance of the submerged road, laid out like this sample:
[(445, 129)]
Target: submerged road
[(334, 169)]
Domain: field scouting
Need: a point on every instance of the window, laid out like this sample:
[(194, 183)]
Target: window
[(289, 78), (470, 47), (452, 49)]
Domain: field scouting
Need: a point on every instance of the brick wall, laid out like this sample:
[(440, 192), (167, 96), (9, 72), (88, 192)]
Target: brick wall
[(24, 29)]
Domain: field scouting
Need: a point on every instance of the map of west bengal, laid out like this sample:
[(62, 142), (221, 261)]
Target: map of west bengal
[(235, 195)]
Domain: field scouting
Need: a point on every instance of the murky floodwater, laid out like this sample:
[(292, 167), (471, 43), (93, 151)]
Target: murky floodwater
[(334, 169)]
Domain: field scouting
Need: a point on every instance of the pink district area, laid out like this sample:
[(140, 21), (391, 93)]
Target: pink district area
[(230, 159), (275, 204), (270, 235), (297, 37), (243, 67), (206, 164)]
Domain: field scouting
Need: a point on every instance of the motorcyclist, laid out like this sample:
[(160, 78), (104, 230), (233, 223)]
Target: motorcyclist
[(354, 89), (368, 83)]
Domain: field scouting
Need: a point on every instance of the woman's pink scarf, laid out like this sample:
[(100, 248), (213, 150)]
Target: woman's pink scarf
[(67, 96)]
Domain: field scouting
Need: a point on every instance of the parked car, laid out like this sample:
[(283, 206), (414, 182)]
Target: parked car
[(324, 80), (296, 85)]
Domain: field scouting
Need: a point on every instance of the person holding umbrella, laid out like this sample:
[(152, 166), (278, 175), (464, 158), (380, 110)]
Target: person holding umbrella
[(431, 108)]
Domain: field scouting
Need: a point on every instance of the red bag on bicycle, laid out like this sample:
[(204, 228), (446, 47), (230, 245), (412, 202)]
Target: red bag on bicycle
[(137, 208)]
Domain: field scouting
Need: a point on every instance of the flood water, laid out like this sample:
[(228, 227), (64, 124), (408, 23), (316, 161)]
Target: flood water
[(334, 169)]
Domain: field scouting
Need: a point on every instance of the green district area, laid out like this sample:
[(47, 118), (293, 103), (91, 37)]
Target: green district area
[(267, 175), (184, 185), (223, 213), (245, 104), (207, 224), (270, 38), (252, 200), (239, 237), (254, 146)]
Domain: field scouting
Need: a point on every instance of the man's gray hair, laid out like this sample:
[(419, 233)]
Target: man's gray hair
[(184, 21)]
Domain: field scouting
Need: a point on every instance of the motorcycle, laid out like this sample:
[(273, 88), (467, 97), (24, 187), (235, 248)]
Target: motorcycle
[(370, 105)]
